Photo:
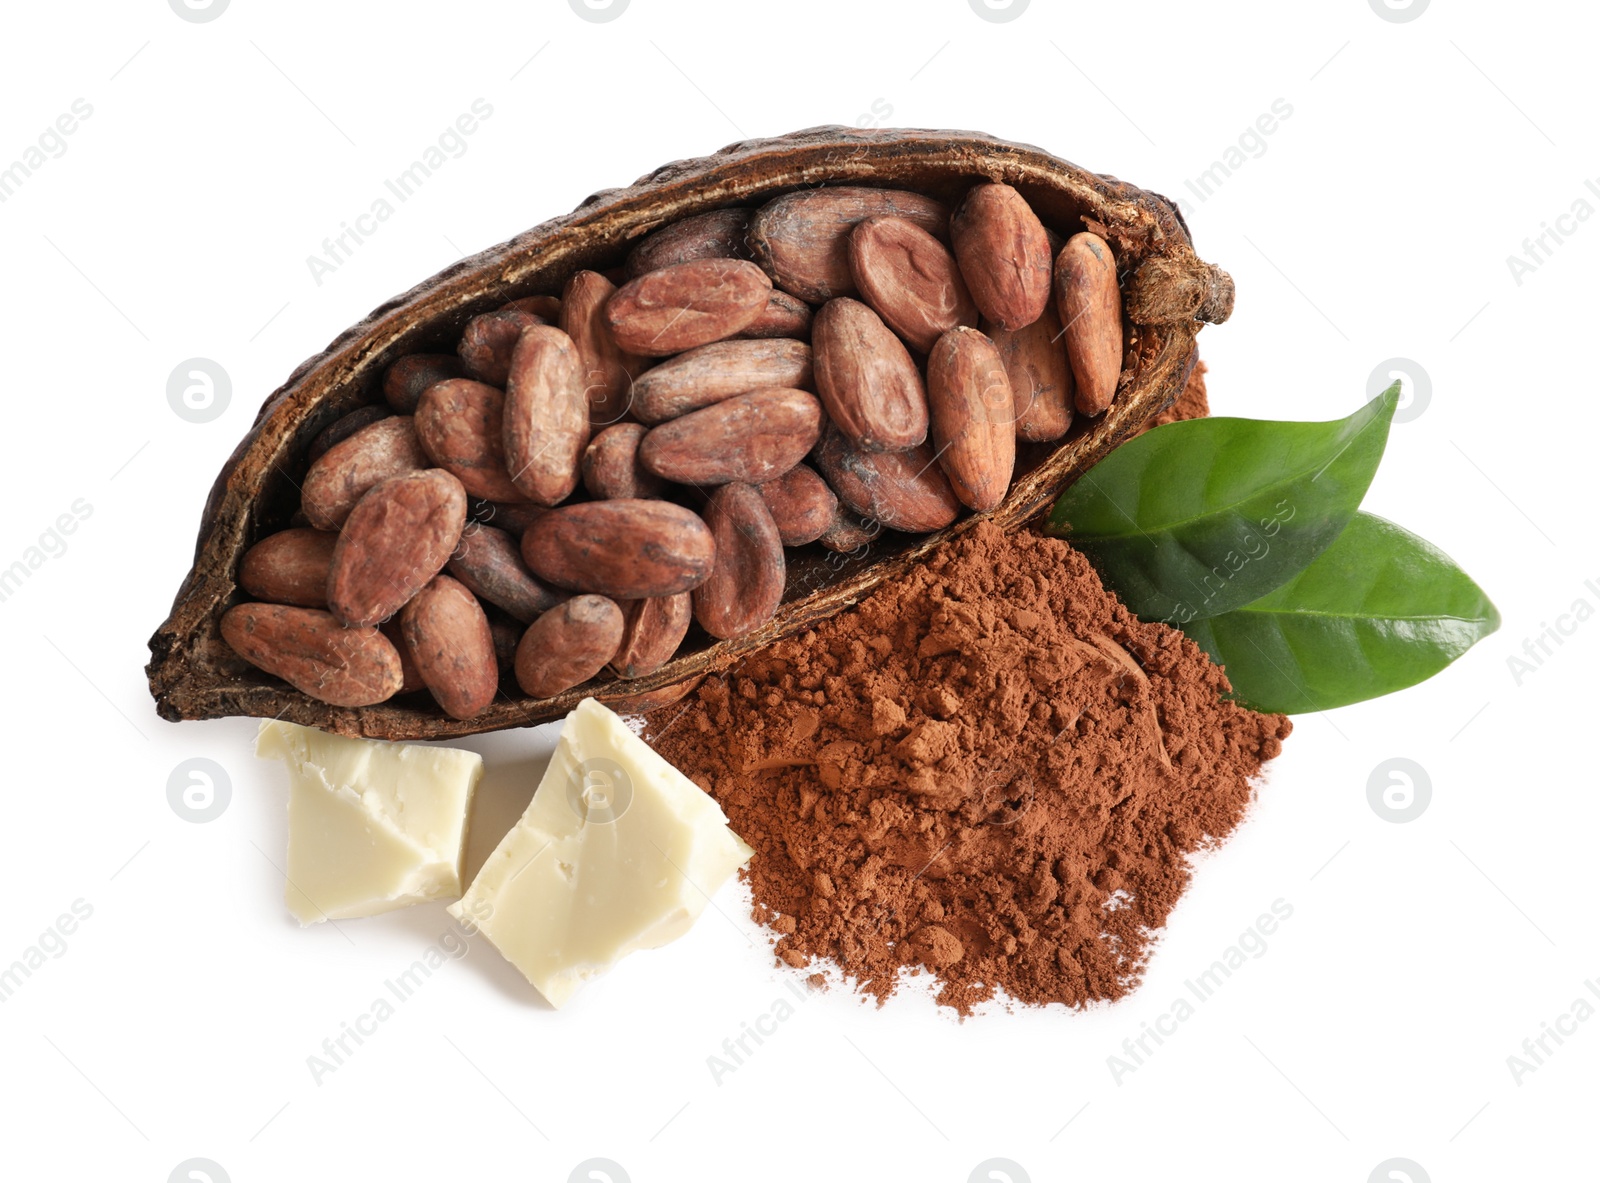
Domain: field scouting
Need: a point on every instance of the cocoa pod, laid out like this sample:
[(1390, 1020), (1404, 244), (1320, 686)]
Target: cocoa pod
[(342, 474), (546, 415), (489, 562), (654, 700), (449, 640), (1035, 359), (751, 437), (460, 425), (866, 378), (784, 316), (1090, 306), (625, 549), (746, 583), (1004, 252), (608, 370), (902, 490), (716, 234), (289, 567), (686, 304), (398, 537), (546, 308), (717, 371), (910, 279), (568, 645), (973, 417), (611, 467), (344, 427), (405, 381), (802, 505), (801, 239), (307, 648), (487, 342), (511, 516), (651, 633)]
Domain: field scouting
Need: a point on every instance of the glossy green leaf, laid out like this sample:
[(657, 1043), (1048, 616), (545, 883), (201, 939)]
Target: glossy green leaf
[(1380, 610), (1197, 518)]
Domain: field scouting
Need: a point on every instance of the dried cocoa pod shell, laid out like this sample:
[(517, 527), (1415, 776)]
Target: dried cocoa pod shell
[(489, 562), (802, 505), (405, 381), (341, 476), (746, 583), (194, 674), (716, 234), (289, 567), (1035, 359), (685, 305), (310, 650), (568, 645), (448, 637), (802, 239), (487, 342), (1005, 254), (398, 537), (343, 428), (460, 423), (611, 467), (711, 373), (910, 279), (784, 316), (973, 417), (625, 550), (750, 437), (608, 370), (546, 415), (904, 490), (651, 633), (1090, 306), (868, 382)]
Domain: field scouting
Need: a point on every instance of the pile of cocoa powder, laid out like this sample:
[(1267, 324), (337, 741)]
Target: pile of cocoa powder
[(988, 770)]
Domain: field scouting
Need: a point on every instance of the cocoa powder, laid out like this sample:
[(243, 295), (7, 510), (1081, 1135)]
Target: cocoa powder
[(988, 771)]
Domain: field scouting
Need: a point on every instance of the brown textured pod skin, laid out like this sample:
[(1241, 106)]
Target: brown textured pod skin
[(448, 637), (974, 418), (802, 505), (910, 279), (487, 342), (404, 382), (399, 536), (717, 371), (608, 370), (194, 675), (867, 380), (686, 304), (546, 415), (1035, 359), (1090, 306), (611, 467), (717, 234), (568, 645), (342, 429), (309, 649), (290, 567), (652, 631), (751, 437), (784, 316), (746, 584), (1004, 252), (341, 475), (802, 240), (627, 550), (459, 422), (489, 562), (902, 490)]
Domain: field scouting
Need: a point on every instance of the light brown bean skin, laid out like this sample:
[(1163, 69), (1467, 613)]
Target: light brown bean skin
[(716, 234), (289, 567), (344, 427), (751, 437), (624, 549), (568, 645), (902, 490), (546, 419), (309, 649), (546, 308), (340, 477), (461, 425), (1035, 359), (487, 342), (1004, 252), (448, 636), (802, 505), (1090, 305), (711, 373), (489, 562), (611, 467), (910, 279), (974, 428), (784, 316), (652, 631), (608, 370), (868, 383), (685, 305), (405, 381), (398, 537), (746, 584)]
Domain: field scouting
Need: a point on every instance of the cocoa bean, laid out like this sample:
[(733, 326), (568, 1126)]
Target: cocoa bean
[(1090, 306), (746, 583), (802, 505), (902, 490), (651, 633), (973, 417), (866, 378), (568, 645), (608, 370), (489, 562), (686, 304), (546, 415), (611, 467), (627, 549), (910, 279), (398, 537), (717, 371), (341, 475), (751, 437), (1035, 359), (405, 381), (1004, 252), (716, 234), (307, 648), (343, 428), (487, 342), (448, 637), (289, 567), (460, 423), (784, 316)]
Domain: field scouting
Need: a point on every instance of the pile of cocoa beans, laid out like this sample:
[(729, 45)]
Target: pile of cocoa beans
[(587, 477)]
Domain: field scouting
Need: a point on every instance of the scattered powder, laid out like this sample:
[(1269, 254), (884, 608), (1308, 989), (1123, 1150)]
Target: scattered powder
[(988, 770)]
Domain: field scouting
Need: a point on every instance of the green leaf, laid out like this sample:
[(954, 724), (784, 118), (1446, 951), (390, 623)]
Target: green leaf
[(1199, 517), (1380, 610)]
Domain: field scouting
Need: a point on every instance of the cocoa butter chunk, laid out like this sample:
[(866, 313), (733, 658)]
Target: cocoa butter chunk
[(448, 637), (487, 342), (652, 631), (711, 373), (489, 562), (611, 467), (628, 549), (398, 537), (685, 305), (802, 239), (1090, 306), (716, 234), (314, 653), (901, 490), (745, 586), (751, 437), (546, 415), (568, 645), (1005, 256), (405, 381), (289, 567), (911, 280), (868, 383), (973, 414), (461, 425), (802, 505)]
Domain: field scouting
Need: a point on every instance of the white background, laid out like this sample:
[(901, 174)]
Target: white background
[(1376, 223)]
